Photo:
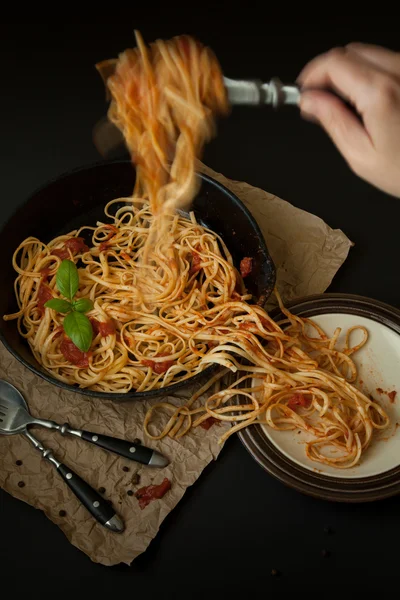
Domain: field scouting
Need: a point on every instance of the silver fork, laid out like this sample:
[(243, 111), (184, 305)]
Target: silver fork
[(107, 138), (23, 418), (255, 92), (13, 410)]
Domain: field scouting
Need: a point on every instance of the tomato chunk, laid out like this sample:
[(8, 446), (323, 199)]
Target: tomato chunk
[(246, 266), (73, 355), (152, 492), (299, 400)]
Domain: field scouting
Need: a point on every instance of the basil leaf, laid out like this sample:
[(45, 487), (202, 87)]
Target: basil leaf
[(79, 329), (83, 305), (61, 306), (67, 279)]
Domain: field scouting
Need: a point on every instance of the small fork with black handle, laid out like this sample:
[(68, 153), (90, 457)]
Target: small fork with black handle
[(15, 418)]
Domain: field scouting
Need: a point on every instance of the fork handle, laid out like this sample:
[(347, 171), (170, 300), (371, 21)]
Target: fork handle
[(101, 510), (125, 448), (136, 452)]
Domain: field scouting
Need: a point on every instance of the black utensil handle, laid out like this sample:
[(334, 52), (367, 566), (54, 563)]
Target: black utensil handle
[(92, 501), (124, 448)]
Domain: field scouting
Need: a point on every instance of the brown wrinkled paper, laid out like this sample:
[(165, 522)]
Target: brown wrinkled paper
[(307, 254)]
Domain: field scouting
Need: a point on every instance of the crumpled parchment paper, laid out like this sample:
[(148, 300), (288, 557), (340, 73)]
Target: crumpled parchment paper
[(307, 254)]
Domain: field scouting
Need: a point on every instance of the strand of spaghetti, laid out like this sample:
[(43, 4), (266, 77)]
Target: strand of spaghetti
[(177, 412), (213, 382)]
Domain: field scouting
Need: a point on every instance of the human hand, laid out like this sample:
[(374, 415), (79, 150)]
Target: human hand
[(367, 77)]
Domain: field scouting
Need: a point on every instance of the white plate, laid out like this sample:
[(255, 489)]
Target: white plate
[(378, 364)]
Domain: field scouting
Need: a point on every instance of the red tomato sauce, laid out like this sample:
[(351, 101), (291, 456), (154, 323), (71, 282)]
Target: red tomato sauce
[(209, 423), (266, 324), (105, 328), (299, 400), (152, 492), (60, 252), (247, 326), (76, 245), (44, 294), (113, 230), (159, 367), (73, 355), (103, 246), (45, 273), (196, 262), (246, 266)]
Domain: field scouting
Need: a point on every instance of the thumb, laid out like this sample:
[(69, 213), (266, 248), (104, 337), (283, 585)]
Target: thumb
[(340, 123)]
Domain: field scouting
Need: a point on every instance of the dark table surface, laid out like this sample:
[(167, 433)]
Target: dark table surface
[(237, 523)]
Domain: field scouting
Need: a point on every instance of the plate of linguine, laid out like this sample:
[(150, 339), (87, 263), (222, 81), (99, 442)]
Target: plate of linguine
[(339, 440)]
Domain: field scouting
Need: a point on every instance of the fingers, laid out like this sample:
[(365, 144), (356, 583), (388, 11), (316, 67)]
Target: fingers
[(344, 71), (343, 127), (382, 58), (369, 78)]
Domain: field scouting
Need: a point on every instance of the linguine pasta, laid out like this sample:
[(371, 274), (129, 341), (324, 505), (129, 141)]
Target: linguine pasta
[(167, 298), (154, 323), (164, 99), (289, 380)]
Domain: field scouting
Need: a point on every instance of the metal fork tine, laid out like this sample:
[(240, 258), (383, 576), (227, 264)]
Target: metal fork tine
[(14, 414)]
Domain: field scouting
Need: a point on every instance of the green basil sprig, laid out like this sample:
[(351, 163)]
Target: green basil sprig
[(61, 306), (78, 327), (76, 324), (67, 279)]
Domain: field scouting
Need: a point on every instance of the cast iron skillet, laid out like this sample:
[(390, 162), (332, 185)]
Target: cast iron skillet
[(78, 198)]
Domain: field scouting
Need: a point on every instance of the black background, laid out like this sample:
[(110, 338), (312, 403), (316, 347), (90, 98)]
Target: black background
[(236, 523)]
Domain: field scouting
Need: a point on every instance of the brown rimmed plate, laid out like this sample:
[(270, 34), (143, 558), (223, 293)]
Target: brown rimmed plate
[(282, 454)]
